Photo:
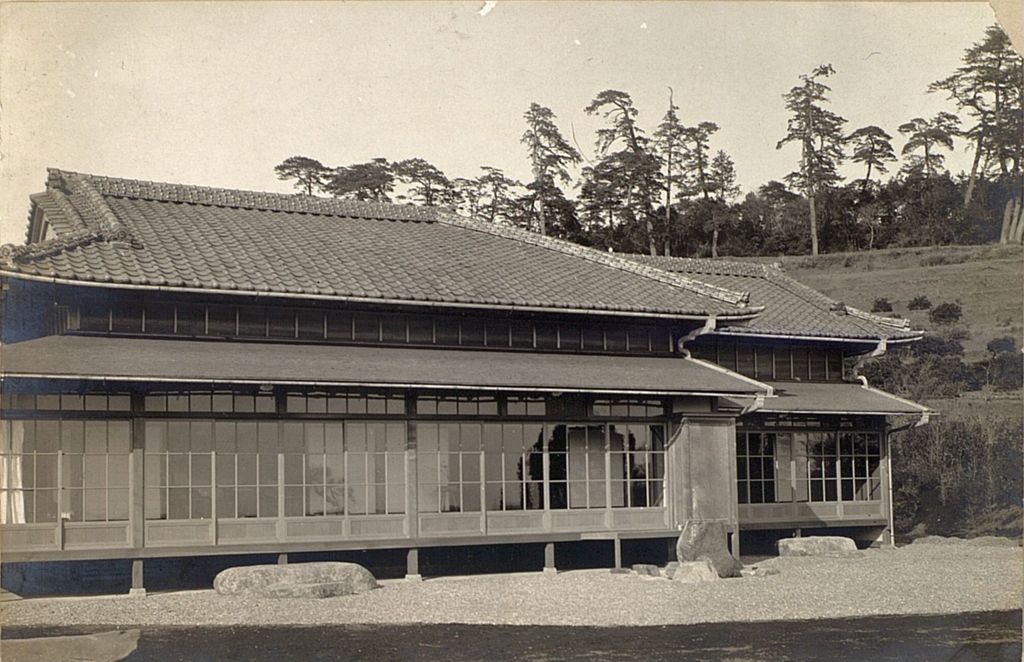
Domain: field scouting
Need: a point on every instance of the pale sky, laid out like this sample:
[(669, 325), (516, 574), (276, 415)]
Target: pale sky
[(218, 93)]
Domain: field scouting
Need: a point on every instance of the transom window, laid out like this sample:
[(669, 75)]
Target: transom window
[(67, 401), (629, 408), (223, 320), (797, 363)]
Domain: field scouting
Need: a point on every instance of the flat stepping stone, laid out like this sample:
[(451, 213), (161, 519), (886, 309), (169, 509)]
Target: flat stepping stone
[(326, 579)]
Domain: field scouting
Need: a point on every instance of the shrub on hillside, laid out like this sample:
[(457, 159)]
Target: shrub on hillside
[(933, 345), (945, 313), (881, 306), (919, 303), (1000, 345), (1006, 371)]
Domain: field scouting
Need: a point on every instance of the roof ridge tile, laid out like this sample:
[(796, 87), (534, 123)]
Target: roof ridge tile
[(624, 264), (243, 199)]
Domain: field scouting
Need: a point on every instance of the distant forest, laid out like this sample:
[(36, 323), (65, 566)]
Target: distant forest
[(669, 190)]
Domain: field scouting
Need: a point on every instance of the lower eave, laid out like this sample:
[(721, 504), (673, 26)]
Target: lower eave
[(212, 362)]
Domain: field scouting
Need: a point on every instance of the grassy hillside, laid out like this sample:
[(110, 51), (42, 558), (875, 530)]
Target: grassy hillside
[(987, 282)]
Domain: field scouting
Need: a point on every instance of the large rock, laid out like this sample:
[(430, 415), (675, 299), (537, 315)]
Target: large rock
[(707, 540), (299, 580), (692, 572), (817, 546)]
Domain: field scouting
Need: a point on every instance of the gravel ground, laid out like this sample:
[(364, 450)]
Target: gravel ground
[(917, 579)]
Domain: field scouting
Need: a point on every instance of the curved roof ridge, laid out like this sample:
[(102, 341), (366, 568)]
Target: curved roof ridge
[(243, 199), (11, 254), (97, 214), (735, 298)]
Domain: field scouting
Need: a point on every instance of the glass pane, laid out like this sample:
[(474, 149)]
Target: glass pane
[(72, 435), (367, 327), (177, 469), (446, 331), (547, 336), (246, 468), (639, 339), (252, 322), (159, 319), (268, 502), (311, 324), (177, 436), (201, 504), (221, 321), (615, 338), (316, 403), (522, 334), (225, 502), (191, 320), (127, 317), (569, 336), (472, 332), (117, 470), (268, 437), (178, 503), (339, 326), (294, 505), (246, 497), (745, 360), (155, 504), (225, 469), (593, 338), (421, 330), (117, 500), (201, 468)]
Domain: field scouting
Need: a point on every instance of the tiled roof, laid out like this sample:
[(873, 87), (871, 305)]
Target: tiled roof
[(791, 308), (170, 236)]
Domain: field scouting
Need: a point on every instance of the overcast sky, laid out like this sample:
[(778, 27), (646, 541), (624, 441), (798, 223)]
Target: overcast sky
[(219, 93)]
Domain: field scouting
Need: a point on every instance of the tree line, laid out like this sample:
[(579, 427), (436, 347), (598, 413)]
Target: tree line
[(673, 191)]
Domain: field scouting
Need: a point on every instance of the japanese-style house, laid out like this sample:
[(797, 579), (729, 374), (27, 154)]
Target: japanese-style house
[(197, 371)]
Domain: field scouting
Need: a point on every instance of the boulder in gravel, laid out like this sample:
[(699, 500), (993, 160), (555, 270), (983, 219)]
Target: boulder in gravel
[(707, 540), (670, 569), (299, 580), (765, 571), (647, 569), (817, 546), (691, 572)]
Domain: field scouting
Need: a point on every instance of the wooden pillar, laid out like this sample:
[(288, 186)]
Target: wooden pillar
[(617, 546), (412, 565), (282, 559), (136, 472), (549, 558), (412, 509), (138, 588)]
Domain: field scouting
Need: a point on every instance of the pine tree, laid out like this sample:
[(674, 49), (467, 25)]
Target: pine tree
[(639, 166), (550, 157), (309, 174), (818, 131)]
